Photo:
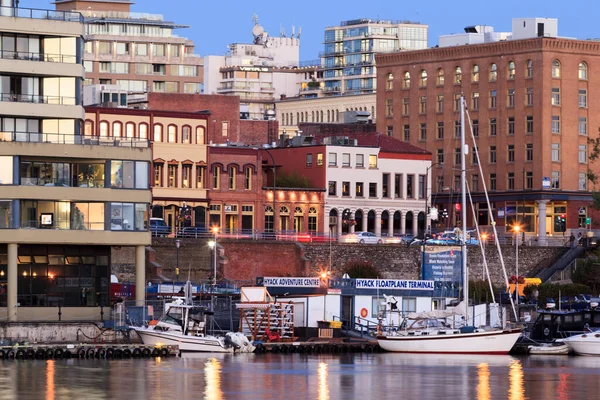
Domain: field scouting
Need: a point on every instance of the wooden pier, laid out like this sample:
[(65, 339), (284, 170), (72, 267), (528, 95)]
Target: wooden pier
[(89, 351), (320, 346)]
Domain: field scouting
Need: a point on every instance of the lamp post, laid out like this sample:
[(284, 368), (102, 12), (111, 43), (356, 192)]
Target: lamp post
[(274, 186), (177, 245), (483, 239), (428, 190), (213, 245), (517, 228)]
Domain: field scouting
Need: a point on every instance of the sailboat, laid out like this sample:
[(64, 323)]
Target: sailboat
[(468, 339)]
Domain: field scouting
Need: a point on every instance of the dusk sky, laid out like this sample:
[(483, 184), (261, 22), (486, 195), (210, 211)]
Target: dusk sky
[(215, 24)]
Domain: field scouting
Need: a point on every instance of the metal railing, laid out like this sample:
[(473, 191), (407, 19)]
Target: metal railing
[(60, 138), (34, 13), (42, 57), (38, 99), (42, 181), (66, 225)]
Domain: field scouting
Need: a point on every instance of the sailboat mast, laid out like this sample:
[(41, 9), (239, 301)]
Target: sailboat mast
[(463, 190)]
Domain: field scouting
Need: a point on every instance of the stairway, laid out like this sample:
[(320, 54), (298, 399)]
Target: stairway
[(258, 318), (561, 264)]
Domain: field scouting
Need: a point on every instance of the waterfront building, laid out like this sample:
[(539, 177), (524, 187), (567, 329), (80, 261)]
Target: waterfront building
[(137, 51), (67, 199), (529, 99), (374, 183)]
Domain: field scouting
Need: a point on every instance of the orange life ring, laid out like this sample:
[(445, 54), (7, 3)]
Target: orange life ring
[(364, 312)]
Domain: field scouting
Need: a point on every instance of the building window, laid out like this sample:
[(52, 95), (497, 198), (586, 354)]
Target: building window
[(117, 129), (248, 179), (583, 71), (510, 181), (158, 174), (556, 69), (440, 103), (511, 70), (440, 130), (493, 72), (372, 161), (372, 190), (225, 129), (158, 133), (105, 48), (475, 73), (529, 69), (360, 160), (457, 75), (345, 189), (199, 135), (475, 101), (405, 106), (475, 183), (422, 187), (440, 156), (312, 219), (528, 180), (332, 188), (423, 131), (457, 97), (511, 125), (529, 125), (216, 177), (309, 160), (389, 82), (423, 79), (130, 130), (172, 134), (555, 180), (440, 77), (511, 153), (423, 104), (493, 126), (103, 129), (345, 159), (556, 96), (582, 181), (492, 154), (492, 99), (529, 96), (406, 132), (582, 126), (457, 183), (493, 182), (529, 152), (475, 156), (333, 159), (359, 189), (555, 152), (186, 134), (457, 156), (186, 176), (231, 177), (390, 130), (385, 184), (440, 183), (172, 175), (582, 98), (582, 154), (476, 127), (389, 107), (457, 129), (398, 186), (199, 177), (406, 80), (556, 124), (511, 98), (409, 186)]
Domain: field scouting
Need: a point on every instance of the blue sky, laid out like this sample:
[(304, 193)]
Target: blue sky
[(215, 24)]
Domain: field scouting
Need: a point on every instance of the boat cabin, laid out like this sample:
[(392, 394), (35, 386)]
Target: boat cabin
[(550, 325)]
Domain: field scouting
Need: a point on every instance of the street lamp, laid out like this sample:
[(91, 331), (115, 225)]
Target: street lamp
[(177, 245), (516, 229), (213, 245), (428, 190), (483, 239)]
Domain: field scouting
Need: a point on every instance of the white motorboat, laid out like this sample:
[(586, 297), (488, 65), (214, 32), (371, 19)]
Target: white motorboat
[(587, 344), (549, 349), (467, 340)]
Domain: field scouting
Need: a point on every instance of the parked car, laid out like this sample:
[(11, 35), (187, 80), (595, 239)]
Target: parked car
[(193, 232), (361, 237), (407, 238), (158, 227)]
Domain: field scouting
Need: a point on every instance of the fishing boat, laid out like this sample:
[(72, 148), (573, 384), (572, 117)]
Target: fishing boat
[(467, 339), (184, 324), (586, 344)]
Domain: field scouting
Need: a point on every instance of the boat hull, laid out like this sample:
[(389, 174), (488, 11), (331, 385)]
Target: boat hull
[(550, 350), (488, 342), (186, 343), (584, 345)]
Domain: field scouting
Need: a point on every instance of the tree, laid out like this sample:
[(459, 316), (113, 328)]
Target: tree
[(594, 154), (479, 292), (292, 180), (588, 274)]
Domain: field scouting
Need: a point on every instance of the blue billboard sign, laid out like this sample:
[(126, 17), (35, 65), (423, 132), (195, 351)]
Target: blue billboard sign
[(442, 264)]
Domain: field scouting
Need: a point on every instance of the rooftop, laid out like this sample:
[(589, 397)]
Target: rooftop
[(383, 142)]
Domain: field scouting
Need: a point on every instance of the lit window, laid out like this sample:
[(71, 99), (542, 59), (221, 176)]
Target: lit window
[(556, 69)]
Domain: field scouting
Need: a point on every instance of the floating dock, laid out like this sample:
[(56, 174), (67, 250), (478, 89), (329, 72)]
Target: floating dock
[(320, 347), (89, 351)]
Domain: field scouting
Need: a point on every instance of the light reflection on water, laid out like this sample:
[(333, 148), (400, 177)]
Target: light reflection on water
[(322, 377)]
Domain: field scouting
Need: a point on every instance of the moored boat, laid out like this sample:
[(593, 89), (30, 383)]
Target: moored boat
[(586, 344), (549, 349)]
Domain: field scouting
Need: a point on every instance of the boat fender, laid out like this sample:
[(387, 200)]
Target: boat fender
[(164, 352), (68, 354), (40, 354), (118, 353), (127, 353), (81, 353), (101, 353), (155, 352), (49, 354), (364, 312), (20, 354), (31, 354), (2, 354), (368, 349), (58, 354), (11, 354), (232, 340), (90, 353), (137, 352), (110, 352), (146, 352)]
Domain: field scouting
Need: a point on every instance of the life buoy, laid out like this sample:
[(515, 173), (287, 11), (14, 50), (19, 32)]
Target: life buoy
[(364, 312)]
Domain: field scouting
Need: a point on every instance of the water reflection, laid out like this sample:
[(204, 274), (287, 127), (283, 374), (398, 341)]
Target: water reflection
[(212, 377), (483, 387), (515, 376), (323, 376), (50, 388), (563, 386)]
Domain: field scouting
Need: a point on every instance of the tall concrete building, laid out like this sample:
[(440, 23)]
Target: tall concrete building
[(65, 199), (136, 51), (530, 101)]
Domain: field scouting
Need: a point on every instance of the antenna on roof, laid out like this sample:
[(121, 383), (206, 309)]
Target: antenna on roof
[(299, 32), (281, 31), (293, 31)]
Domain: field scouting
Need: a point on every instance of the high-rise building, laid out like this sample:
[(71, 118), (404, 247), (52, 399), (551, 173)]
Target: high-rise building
[(136, 51), (530, 100), (66, 199)]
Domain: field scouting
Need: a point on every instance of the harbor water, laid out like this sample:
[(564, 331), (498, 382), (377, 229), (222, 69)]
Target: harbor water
[(299, 376)]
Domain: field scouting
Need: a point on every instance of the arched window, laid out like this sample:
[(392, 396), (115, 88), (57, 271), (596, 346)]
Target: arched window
[(556, 69), (103, 129), (328, 116), (475, 73), (284, 211), (172, 134), (312, 116), (312, 219), (88, 128), (583, 71), (143, 131), (158, 130), (321, 116), (305, 116), (529, 69), (389, 82), (117, 127), (200, 135), (423, 79), (232, 177), (298, 211), (186, 134), (337, 115), (130, 130), (458, 75), (440, 77), (297, 117), (511, 70), (406, 80), (493, 72)]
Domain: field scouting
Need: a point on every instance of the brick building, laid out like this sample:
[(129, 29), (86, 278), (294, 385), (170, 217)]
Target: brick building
[(529, 102)]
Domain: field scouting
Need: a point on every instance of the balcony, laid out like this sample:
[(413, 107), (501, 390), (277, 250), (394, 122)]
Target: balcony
[(42, 181), (58, 138), (38, 99), (41, 57), (33, 13)]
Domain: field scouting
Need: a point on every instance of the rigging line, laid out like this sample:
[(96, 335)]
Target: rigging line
[(487, 198), (481, 247)]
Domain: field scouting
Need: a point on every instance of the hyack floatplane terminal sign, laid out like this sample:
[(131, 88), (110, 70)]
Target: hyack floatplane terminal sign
[(292, 282), (393, 284)]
